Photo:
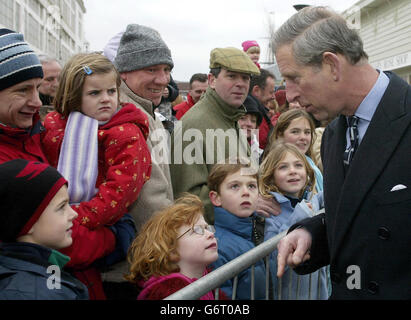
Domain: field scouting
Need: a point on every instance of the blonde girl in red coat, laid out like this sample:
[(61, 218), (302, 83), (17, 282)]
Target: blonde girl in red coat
[(98, 144)]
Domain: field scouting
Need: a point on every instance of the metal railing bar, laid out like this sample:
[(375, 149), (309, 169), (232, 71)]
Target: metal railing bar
[(267, 278), (252, 285), (290, 284), (309, 286), (235, 285), (298, 288), (227, 271)]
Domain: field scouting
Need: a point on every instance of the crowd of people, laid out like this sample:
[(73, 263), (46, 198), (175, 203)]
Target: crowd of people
[(131, 192)]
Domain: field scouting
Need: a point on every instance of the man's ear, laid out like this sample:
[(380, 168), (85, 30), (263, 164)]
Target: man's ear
[(215, 198), (333, 63), (123, 76), (256, 91), (211, 80)]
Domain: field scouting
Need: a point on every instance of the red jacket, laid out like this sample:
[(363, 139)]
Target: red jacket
[(160, 287), (88, 245), (124, 163), (25, 144), (183, 107), (264, 129), (18, 143)]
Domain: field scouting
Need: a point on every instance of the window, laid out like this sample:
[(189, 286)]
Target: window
[(6, 13), (35, 6), (17, 20), (51, 44), (32, 31)]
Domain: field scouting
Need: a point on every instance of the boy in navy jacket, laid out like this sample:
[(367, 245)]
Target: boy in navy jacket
[(35, 221)]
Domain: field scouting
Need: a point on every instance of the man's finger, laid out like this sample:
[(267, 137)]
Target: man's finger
[(283, 253), (263, 213), (281, 262), (300, 253)]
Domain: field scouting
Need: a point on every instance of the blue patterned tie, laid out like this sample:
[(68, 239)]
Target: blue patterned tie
[(354, 138)]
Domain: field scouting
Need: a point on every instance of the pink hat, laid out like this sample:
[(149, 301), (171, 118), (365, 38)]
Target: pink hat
[(248, 44)]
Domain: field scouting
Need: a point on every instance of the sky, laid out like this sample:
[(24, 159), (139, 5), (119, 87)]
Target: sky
[(192, 28)]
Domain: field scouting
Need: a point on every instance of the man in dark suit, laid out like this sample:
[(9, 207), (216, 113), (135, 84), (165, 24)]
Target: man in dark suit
[(365, 232)]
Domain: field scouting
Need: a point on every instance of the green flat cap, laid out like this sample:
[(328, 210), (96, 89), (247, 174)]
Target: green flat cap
[(232, 59)]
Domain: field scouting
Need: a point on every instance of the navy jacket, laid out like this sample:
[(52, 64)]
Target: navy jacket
[(23, 274), (234, 236)]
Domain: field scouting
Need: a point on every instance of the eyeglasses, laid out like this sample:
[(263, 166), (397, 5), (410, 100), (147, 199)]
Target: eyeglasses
[(199, 229)]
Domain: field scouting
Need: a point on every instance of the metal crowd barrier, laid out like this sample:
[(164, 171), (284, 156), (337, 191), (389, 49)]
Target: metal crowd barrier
[(230, 270)]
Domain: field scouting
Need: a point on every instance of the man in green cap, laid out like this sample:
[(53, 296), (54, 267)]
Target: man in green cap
[(208, 133)]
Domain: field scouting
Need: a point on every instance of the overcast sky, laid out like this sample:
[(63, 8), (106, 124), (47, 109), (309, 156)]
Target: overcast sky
[(192, 28)]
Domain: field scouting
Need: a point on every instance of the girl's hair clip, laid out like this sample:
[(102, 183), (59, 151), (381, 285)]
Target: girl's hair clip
[(87, 70)]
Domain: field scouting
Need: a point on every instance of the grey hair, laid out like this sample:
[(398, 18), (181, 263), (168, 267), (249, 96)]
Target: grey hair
[(46, 59), (315, 30)]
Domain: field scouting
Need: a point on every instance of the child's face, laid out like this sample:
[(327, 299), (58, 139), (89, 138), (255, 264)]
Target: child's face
[(238, 194), (290, 175), (299, 133), (254, 54), (196, 251), (100, 97), (53, 228), (248, 122), (294, 105)]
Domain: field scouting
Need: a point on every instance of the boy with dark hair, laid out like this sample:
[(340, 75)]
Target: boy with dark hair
[(234, 192)]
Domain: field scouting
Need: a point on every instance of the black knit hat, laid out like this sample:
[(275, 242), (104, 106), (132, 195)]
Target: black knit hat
[(18, 62), (26, 189), (251, 105)]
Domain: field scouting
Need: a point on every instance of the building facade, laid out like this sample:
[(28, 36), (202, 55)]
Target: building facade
[(385, 27), (52, 27)]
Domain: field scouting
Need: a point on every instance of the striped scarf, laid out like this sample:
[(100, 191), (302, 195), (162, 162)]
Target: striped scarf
[(78, 159)]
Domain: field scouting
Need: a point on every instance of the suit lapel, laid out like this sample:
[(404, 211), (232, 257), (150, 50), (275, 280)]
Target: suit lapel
[(380, 141)]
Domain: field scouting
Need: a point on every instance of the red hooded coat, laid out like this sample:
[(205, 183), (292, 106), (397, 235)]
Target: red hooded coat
[(124, 163)]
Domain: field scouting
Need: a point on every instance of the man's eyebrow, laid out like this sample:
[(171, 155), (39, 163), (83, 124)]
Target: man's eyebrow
[(25, 86)]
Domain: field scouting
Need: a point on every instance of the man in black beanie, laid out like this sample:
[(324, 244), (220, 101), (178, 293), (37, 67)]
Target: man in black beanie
[(31, 232)]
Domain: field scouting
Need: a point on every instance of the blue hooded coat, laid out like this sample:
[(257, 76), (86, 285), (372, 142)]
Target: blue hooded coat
[(293, 286), (234, 236)]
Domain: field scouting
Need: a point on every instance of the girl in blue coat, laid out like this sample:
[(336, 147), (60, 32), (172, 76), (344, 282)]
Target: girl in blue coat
[(286, 175), (234, 196)]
